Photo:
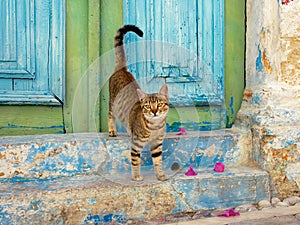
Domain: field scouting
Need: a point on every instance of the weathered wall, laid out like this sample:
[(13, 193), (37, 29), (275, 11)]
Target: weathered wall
[(271, 106), (290, 43)]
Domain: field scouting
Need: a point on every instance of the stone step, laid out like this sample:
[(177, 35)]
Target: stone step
[(96, 199), (53, 156), (86, 178)]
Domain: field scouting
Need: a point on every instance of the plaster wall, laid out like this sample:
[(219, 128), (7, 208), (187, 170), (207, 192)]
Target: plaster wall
[(271, 102)]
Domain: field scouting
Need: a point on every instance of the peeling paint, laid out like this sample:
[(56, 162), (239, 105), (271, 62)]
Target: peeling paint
[(259, 65), (266, 63), (68, 155)]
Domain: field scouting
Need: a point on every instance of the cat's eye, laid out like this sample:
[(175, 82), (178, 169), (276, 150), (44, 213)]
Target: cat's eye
[(160, 104), (147, 106)]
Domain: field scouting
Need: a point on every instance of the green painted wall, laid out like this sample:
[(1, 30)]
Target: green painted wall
[(25, 120)]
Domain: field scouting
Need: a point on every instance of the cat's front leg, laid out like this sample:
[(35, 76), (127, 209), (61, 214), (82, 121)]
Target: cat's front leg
[(156, 152), (136, 165), (137, 144)]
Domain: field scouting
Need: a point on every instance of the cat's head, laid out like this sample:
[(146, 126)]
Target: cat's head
[(154, 106)]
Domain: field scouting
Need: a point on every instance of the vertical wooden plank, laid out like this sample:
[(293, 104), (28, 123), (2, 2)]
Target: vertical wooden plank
[(234, 57), (155, 33), (21, 32), (208, 40), (36, 29), (139, 48), (94, 66), (7, 34), (85, 105), (200, 44), (109, 25), (77, 61), (218, 55), (57, 44)]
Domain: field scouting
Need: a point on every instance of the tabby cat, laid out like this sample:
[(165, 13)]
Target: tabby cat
[(143, 115)]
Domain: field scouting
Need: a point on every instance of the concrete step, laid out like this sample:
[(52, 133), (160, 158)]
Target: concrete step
[(52, 156), (85, 178), (95, 199)]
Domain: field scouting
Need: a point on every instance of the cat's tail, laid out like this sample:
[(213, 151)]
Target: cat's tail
[(119, 42)]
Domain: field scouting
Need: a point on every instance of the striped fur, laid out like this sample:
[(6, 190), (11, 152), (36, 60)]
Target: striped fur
[(143, 115)]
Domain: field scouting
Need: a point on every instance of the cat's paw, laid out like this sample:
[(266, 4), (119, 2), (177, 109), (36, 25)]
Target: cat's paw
[(112, 133), (162, 177), (137, 178)]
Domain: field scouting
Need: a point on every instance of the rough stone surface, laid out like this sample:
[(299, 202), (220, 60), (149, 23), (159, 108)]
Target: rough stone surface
[(264, 204), (274, 215), (292, 200), (275, 200), (271, 103), (290, 220), (86, 178), (246, 208), (281, 204), (92, 199), (51, 156)]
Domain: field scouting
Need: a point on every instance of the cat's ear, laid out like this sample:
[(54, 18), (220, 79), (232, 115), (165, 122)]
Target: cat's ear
[(140, 94), (164, 91)]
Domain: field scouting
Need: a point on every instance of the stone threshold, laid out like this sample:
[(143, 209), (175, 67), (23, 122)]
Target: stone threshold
[(250, 218)]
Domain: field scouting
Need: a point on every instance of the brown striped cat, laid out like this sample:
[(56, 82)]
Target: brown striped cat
[(143, 115)]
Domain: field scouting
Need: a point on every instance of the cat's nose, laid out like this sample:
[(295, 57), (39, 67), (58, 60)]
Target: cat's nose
[(154, 111)]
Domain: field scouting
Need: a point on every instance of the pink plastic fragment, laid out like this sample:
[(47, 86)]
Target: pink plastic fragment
[(228, 213), (191, 171), (286, 2), (182, 131), (219, 167)]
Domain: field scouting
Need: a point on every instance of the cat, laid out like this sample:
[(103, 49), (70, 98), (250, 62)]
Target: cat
[(143, 115)]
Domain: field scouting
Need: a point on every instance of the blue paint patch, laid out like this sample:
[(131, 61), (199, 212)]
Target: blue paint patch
[(290, 142), (194, 126), (231, 105), (5, 217), (10, 125), (99, 219), (92, 201), (269, 132), (259, 65), (35, 205), (255, 100), (19, 180)]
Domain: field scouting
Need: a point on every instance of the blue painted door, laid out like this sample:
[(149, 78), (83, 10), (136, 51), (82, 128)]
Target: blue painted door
[(32, 53), (183, 46)]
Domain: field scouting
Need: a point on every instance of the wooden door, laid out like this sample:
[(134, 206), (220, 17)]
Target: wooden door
[(183, 46), (32, 52)]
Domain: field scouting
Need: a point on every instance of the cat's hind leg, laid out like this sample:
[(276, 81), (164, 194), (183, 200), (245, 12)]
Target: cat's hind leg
[(112, 130)]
